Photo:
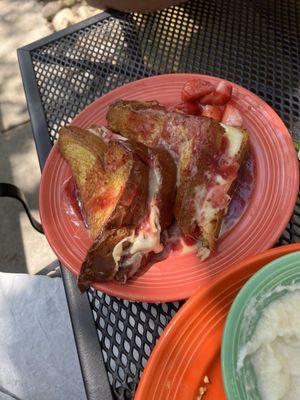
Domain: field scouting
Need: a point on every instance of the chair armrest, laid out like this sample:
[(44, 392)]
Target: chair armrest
[(9, 190)]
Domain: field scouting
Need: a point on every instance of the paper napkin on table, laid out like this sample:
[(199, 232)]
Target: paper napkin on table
[(38, 358)]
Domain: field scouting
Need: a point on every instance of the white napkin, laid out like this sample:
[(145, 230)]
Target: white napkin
[(38, 358)]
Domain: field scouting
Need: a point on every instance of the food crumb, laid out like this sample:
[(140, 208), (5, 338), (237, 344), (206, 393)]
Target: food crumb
[(203, 389)]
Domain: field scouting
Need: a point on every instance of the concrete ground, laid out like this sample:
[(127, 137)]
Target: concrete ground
[(22, 249), (21, 23)]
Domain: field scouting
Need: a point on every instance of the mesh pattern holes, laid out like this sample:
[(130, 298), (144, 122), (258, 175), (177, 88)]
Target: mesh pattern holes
[(255, 43), (128, 332)]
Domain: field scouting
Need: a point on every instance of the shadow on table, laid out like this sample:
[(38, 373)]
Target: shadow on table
[(16, 167), (243, 41)]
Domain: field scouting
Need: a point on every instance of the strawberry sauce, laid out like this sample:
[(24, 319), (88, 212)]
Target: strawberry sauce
[(72, 202), (103, 201), (241, 193)]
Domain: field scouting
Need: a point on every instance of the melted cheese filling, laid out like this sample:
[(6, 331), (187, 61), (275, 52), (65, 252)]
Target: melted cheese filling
[(147, 240), (205, 211), (235, 137)]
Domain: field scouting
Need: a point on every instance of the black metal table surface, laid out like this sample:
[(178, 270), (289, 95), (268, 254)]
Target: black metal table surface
[(255, 43)]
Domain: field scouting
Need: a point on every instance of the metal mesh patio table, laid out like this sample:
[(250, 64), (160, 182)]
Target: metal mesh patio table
[(254, 43)]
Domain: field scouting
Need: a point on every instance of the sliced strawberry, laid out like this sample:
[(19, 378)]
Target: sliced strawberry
[(196, 88), (214, 112), (232, 116), (220, 96), (188, 107)]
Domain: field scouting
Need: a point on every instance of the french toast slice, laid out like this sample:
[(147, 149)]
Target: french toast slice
[(193, 142), (210, 198), (139, 121), (151, 124), (119, 253), (99, 264), (108, 177), (146, 244), (200, 147)]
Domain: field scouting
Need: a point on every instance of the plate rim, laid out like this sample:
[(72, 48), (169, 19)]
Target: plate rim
[(235, 309), (163, 297), (180, 317)]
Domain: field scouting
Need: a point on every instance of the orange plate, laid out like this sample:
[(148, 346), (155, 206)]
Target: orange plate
[(178, 277), (190, 346)]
